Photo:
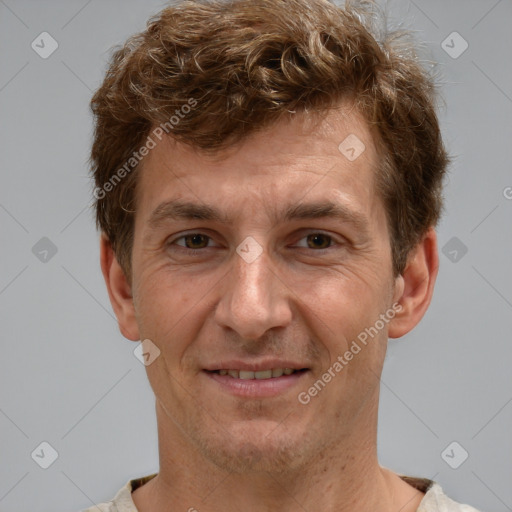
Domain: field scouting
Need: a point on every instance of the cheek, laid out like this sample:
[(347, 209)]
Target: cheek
[(171, 308), (161, 303), (342, 307)]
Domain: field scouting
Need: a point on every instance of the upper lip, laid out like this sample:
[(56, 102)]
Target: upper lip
[(255, 366)]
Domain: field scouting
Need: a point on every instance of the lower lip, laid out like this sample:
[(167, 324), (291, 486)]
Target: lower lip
[(256, 388)]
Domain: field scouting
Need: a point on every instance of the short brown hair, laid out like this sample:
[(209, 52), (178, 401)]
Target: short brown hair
[(248, 64)]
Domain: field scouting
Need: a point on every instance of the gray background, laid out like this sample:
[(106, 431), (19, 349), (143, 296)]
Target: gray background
[(69, 378)]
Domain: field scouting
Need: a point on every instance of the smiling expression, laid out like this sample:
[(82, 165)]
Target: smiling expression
[(253, 270)]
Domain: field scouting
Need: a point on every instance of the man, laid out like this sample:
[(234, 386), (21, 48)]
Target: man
[(268, 179)]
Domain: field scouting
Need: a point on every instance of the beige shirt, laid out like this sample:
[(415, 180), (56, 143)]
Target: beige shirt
[(435, 500)]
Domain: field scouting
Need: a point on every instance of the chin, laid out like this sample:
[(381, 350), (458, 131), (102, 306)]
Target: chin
[(247, 456), (255, 449)]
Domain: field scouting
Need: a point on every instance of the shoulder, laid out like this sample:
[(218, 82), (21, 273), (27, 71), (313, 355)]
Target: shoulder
[(122, 501), (435, 500)]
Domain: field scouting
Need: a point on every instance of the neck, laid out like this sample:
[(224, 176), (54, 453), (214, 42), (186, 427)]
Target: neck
[(344, 477)]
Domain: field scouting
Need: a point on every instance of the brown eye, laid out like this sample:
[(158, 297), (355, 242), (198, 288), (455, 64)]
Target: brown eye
[(196, 241), (192, 244), (319, 241)]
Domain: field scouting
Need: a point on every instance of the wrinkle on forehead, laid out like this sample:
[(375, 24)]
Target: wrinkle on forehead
[(268, 166)]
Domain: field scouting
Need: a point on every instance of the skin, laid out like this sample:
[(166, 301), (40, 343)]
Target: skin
[(295, 301)]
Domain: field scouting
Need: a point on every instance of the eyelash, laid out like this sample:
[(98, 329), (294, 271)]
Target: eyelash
[(196, 252)]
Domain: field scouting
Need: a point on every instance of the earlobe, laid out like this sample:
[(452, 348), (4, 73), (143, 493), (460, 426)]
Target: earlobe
[(119, 291), (417, 285)]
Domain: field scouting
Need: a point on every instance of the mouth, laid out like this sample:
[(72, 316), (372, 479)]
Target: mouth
[(260, 383), (271, 373)]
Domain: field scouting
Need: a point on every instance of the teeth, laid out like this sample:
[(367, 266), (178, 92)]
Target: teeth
[(260, 375), (264, 374)]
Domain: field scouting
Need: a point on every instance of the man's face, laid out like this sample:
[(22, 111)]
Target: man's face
[(275, 256)]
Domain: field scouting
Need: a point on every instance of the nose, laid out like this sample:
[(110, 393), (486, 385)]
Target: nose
[(254, 299)]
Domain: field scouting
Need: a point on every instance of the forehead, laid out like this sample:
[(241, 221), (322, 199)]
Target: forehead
[(330, 157)]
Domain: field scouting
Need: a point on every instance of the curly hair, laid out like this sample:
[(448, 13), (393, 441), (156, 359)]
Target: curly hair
[(249, 64)]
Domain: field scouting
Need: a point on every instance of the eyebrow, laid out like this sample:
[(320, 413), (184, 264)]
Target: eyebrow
[(185, 210)]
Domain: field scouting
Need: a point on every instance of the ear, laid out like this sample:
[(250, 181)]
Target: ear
[(415, 287), (119, 291)]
